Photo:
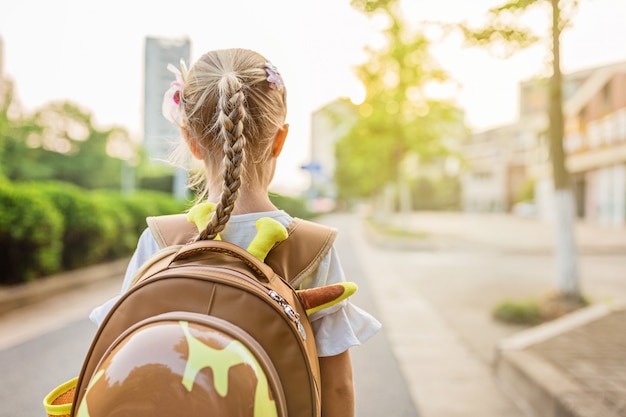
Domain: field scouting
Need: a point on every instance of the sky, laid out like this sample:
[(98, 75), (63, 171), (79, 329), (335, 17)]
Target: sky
[(92, 53)]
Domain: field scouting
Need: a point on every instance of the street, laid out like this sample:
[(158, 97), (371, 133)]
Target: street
[(433, 295), (45, 344)]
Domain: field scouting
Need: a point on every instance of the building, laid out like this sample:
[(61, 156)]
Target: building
[(328, 124), (1, 59), (496, 173), (159, 134), (595, 145), (501, 162)]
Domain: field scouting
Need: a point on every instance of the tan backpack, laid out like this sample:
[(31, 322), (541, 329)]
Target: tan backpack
[(209, 329)]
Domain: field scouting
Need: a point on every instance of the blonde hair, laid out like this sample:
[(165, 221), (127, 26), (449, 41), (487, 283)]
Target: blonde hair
[(230, 110)]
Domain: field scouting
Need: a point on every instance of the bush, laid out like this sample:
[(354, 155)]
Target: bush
[(142, 204), (88, 226), (30, 234), (49, 226), (526, 312), (129, 213), (296, 207), (549, 306), (122, 239)]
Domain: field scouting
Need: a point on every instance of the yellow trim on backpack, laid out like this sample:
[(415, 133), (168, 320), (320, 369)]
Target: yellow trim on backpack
[(59, 409)]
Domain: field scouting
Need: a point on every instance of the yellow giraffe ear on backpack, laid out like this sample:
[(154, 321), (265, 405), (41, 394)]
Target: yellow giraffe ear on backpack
[(269, 233), (201, 215)]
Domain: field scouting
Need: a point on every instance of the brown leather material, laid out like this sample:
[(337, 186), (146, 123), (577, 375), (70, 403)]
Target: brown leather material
[(302, 252), (172, 229), (214, 281), (293, 259), (163, 369), (222, 280), (187, 253)]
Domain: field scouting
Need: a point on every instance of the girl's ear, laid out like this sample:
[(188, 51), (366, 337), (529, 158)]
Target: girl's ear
[(279, 140), (192, 144)]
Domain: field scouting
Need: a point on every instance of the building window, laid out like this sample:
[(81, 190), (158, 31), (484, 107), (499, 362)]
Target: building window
[(606, 98), (620, 116), (594, 131), (582, 118)]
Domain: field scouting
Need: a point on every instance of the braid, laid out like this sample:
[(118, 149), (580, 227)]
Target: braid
[(230, 120), (232, 112)]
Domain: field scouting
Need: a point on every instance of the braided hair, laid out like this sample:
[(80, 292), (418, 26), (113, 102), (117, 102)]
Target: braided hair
[(232, 112)]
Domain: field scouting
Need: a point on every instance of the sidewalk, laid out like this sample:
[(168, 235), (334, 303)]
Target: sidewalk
[(574, 366)]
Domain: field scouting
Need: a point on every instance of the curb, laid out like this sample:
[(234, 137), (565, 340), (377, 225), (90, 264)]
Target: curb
[(22, 295), (537, 386)]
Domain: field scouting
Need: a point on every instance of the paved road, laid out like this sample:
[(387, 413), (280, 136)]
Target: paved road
[(42, 345), (433, 296)]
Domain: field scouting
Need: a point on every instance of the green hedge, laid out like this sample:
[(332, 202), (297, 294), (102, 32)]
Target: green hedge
[(31, 230), (129, 213), (151, 203), (296, 207), (50, 226), (88, 229), (46, 227), (122, 238)]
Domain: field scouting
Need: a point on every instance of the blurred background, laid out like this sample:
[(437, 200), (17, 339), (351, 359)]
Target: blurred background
[(486, 125), (93, 56)]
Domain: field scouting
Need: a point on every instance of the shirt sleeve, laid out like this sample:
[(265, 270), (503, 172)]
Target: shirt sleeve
[(343, 325), (146, 247)]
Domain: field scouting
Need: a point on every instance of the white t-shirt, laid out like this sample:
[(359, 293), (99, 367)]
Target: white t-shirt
[(336, 328)]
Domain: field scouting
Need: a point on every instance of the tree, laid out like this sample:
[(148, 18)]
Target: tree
[(60, 142), (396, 119), (9, 126), (501, 30)]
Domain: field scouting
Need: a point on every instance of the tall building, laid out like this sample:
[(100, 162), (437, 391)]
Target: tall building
[(159, 133), (5, 84), (160, 136), (328, 124), (1, 58)]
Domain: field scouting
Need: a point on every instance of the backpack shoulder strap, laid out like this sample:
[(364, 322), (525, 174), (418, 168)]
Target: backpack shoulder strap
[(171, 229), (302, 252), (293, 259)]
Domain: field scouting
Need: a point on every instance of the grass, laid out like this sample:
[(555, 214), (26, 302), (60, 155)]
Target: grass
[(533, 311), (395, 231)]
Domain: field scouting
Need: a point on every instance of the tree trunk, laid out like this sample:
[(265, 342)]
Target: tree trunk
[(566, 251)]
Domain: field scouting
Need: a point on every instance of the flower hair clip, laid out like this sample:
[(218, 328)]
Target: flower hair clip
[(172, 97), (274, 77)]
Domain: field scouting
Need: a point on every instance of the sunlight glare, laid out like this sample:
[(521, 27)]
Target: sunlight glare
[(357, 93)]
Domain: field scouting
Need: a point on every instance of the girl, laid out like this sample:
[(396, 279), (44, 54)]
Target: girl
[(231, 110)]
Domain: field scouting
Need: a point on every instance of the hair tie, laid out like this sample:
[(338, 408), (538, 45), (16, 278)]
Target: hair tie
[(173, 95), (274, 77)]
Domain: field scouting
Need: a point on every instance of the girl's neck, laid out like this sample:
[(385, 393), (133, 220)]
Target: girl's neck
[(253, 206), (248, 202), (252, 196)]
